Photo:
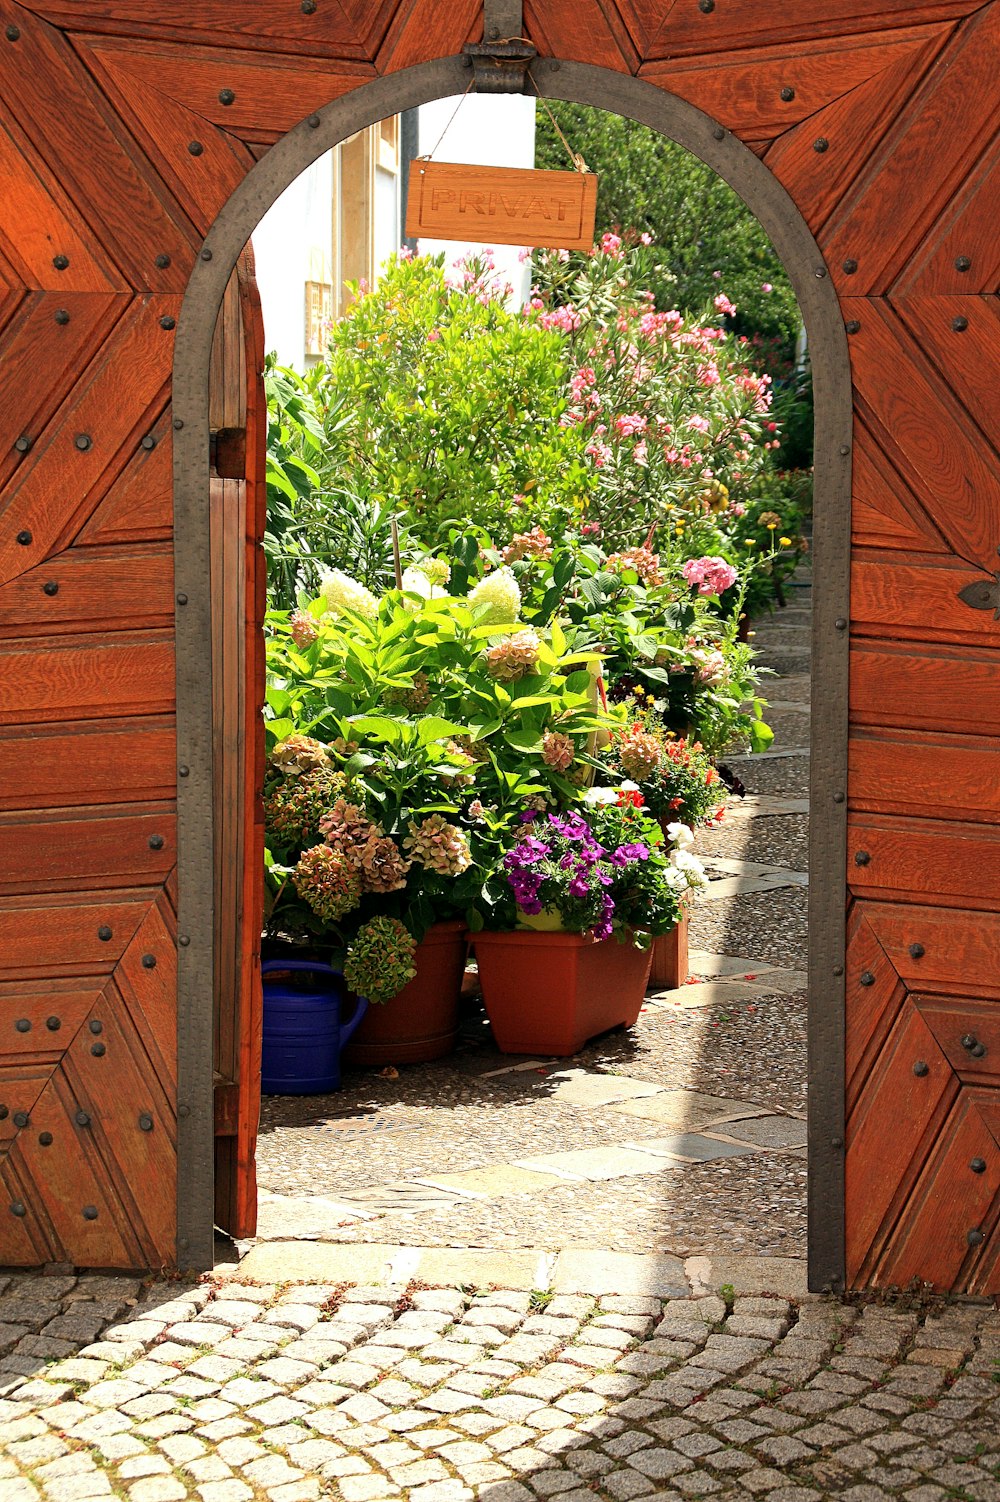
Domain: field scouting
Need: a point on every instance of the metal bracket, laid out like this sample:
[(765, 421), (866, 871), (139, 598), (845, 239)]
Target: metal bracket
[(983, 594), (500, 61)]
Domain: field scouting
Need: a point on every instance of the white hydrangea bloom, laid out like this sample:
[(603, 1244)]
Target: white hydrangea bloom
[(416, 582), (340, 592), (500, 592)]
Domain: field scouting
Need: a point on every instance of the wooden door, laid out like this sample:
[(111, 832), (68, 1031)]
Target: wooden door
[(238, 421)]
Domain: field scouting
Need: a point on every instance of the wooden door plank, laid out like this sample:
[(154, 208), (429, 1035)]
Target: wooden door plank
[(26, 1242), (962, 336), (890, 1132), (272, 92), (99, 166), (872, 1009), (267, 28), (148, 993), (924, 859), (902, 595), (959, 1027), (85, 852), (587, 32), (928, 434), (34, 1054), (96, 432), (884, 511), (958, 947), (68, 1177), (139, 505), (964, 233), (930, 1242), (116, 1088), (78, 677), (166, 128), (41, 361), (423, 30), (46, 223), (96, 589), (103, 761), (744, 91), (854, 127), (46, 937), (941, 687), (688, 30), (882, 220), (924, 773)]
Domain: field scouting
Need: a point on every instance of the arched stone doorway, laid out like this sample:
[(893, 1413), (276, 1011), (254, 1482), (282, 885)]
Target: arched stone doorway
[(126, 138)]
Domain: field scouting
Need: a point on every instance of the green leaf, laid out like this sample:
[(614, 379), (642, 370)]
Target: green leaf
[(529, 741), (761, 735), (433, 728)]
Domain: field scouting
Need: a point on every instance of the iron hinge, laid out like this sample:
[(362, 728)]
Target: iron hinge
[(500, 61), (983, 594)]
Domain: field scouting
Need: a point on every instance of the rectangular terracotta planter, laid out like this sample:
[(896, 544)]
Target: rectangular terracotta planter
[(548, 993), (670, 959)]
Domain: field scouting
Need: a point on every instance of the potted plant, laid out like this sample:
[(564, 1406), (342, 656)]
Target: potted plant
[(577, 898), (678, 785)]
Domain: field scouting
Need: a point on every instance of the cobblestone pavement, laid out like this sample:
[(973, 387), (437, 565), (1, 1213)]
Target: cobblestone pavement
[(685, 1134), (230, 1391)]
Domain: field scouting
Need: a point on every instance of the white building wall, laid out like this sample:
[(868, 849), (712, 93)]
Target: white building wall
[(295, 241), (293, 245)]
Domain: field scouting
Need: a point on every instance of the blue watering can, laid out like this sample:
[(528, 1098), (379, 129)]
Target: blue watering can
[(303, 1033)]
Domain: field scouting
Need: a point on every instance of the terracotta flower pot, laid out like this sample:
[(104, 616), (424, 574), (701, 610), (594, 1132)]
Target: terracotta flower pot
[(421, 1023), (547, 993), (670, 958)]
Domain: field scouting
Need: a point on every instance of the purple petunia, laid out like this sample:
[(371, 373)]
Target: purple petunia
[(626, 854)]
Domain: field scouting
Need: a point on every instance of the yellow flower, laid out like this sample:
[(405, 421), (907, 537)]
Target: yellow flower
[(751, 542), (650, 698), (785, 542), (771, 526), (638, 692)]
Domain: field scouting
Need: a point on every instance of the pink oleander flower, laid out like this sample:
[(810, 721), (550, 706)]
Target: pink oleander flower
[(328, 881), (724, 305), (711, 575), (303, 628), (699, 424), (514, 657), (299, 753), (558, 750), (438, 845), (629, 424), (639, 561), (611, 244)]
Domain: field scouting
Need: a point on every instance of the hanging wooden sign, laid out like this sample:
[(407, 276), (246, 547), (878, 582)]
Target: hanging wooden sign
[(501, 205)]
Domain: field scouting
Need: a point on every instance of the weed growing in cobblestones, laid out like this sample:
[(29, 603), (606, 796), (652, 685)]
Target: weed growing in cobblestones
[(540, 1298)]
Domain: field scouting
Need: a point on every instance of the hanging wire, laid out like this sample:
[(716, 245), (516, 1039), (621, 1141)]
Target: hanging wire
[(428, 155), (578, 162)]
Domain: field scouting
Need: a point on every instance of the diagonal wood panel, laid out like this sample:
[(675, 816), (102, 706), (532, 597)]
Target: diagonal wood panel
[(929, 435), (270, 94), (961, 335), (960, 252), (688, 29), (591, 33), (882, 220), (750, 94), (268, 27), (422, 30), (97, 430)]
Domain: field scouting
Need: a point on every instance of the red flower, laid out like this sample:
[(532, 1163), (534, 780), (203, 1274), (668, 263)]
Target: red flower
[(629, 797)]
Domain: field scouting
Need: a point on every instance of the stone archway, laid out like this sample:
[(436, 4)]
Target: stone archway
[(128, 141)]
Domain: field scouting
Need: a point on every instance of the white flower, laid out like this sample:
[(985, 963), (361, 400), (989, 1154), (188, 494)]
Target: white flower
[(500, 592), (597, 796), (690, 868), (680, 836), (340, 592)]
